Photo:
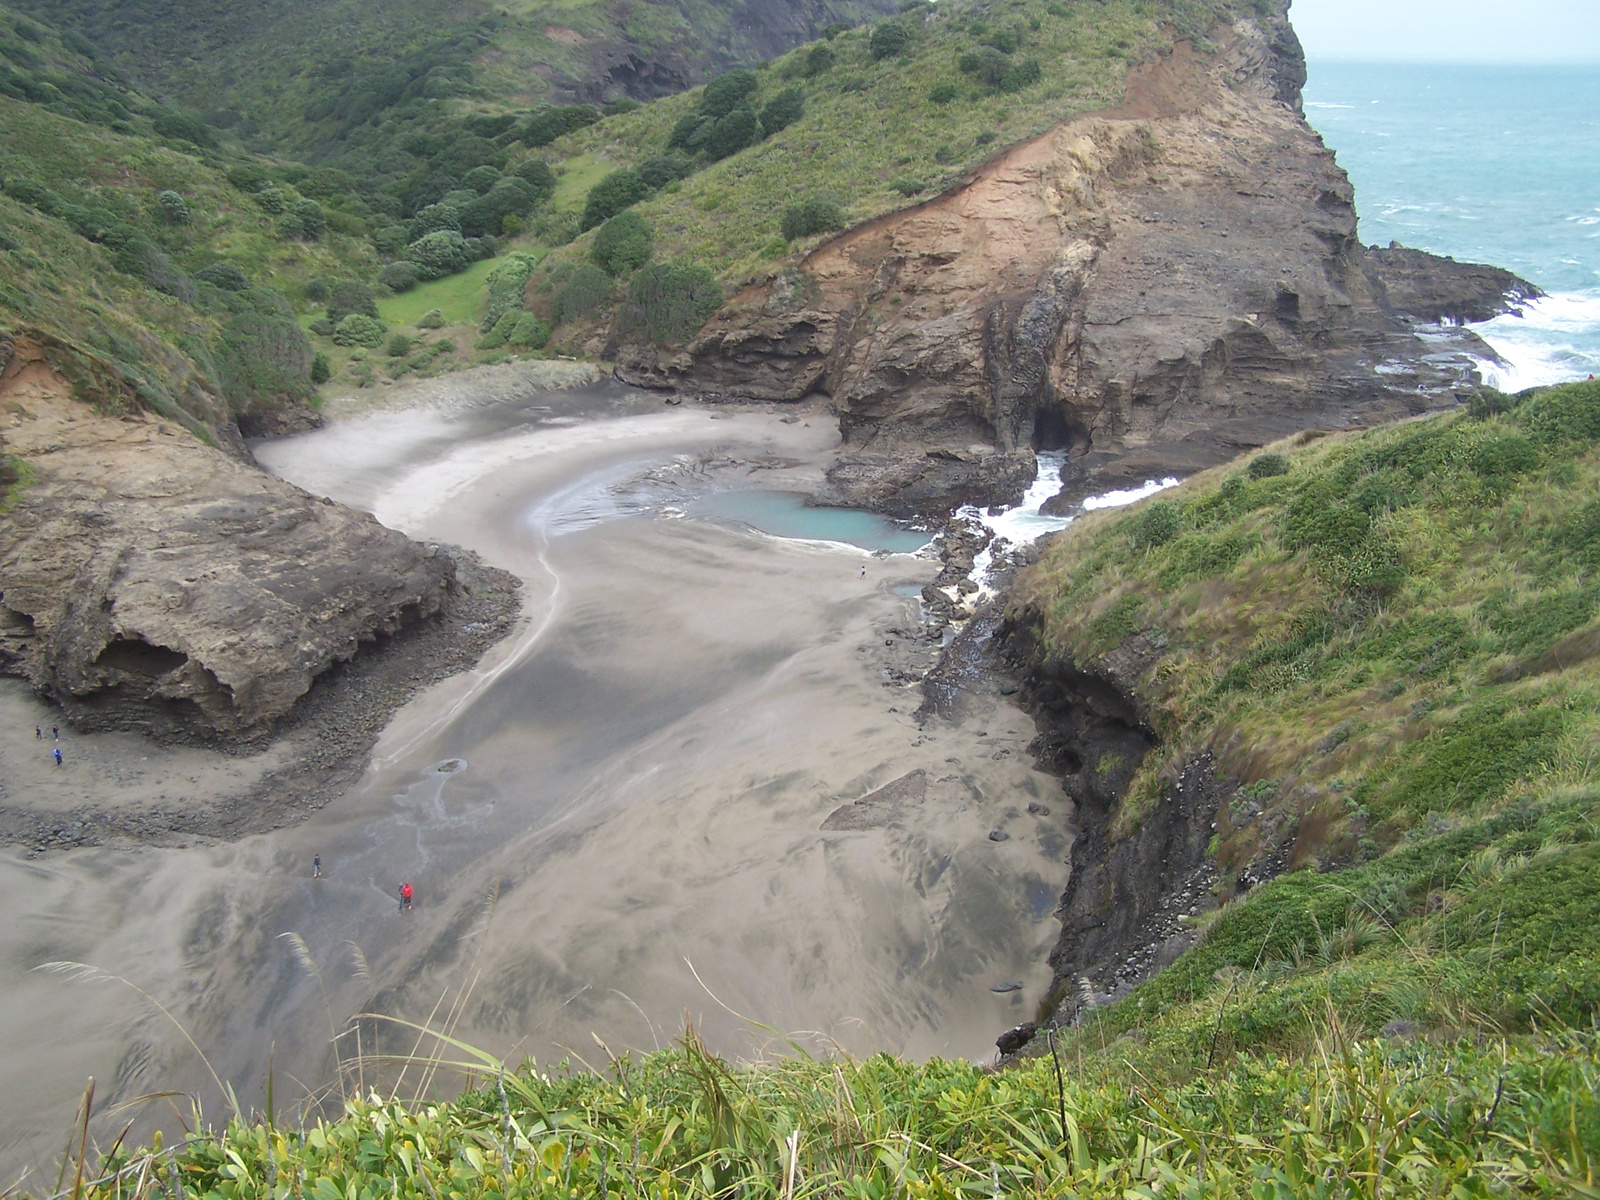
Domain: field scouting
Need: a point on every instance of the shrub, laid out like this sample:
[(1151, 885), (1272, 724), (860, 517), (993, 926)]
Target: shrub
[(819, 60), (180, 126), (669, 302), (726, 92), (834, 30), (622, 244), (174, 211), (481, 179), (441, 253), (691, 132), (229, 278), (944, 92), (322, 327), (263, 360), (782, 111), (944, 155), (1265, 466), (358, 329), (528, 332), (661, 169), (1156, 525), (399, 345), (321, 369), (611, 195), (1004, 40), (889, 39), (432, 319), (140, 257), (496, 335), (812, 216), (248, 177), (987, 64), (583, 293), (509, 197), (984, 138), (1021, 75), (733, 132), (304, 220), (536, 173), (350, 296), (510, 225), (907, 187), (432, 219), (505, 285), (547, 125), (316, 288), (391, 240), (399, 277), (272, 200)]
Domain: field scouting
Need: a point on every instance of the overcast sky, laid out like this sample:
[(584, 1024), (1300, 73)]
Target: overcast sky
[(1449, 30)]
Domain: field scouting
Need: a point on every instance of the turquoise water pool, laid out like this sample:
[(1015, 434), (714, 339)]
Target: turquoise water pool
[(785, 514)]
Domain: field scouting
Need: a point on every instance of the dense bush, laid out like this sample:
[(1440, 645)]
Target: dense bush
[(321, 368), (229, 278), (399, 345), (487, 214), (505, 285), (812, 216), (732, 133), (443, 252), (528, 332), (249, 177), (669, 303), (174, 210), (399, 276), (264, 360), (907, 187), (180, 126), (726, 92), (819, 60), (272, 200), (305, 220), (783, 110), (432, 219), (481, 179), (1266, 466), (1019, 76), (585, 290), (350, 296), (611, 195), (536, 173), (358, 329), (432, 319), (889, 38), (944, 92), (661, 169), (622, 244), (548, 124)]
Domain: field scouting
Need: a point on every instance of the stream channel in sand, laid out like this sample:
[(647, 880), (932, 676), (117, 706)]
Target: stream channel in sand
[(632, 782)]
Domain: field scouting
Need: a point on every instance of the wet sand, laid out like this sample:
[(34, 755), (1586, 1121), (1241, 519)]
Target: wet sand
[(632, 783)]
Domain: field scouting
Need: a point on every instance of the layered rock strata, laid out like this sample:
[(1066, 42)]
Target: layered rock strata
[(1156, 288), (150, 581)]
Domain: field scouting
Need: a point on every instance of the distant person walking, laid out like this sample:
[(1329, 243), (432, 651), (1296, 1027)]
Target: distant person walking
[(863, 570), (55, 732), (38, 734), (405, 897), (316, 866), (58, 756)]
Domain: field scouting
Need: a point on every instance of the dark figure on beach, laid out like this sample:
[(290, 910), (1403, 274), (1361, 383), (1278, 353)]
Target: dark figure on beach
[(58, 756), (863, 570), (316, 866), (55, 732), (405, 897), (38, 734)]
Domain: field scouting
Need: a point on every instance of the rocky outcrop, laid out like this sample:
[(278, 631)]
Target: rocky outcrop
[(150, 581), (1156, 288), (1133, 880)]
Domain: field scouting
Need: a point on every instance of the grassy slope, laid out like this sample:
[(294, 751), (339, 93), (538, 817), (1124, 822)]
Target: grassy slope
[(869, 124)]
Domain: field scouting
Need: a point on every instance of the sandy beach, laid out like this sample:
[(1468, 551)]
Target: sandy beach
[(612, 822)]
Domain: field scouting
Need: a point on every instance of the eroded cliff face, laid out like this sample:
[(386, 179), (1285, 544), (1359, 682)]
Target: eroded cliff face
[(1155, 287), (149, 581)]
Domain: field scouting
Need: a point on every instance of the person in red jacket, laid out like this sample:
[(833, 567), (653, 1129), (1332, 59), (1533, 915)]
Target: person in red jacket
[(405, 897)]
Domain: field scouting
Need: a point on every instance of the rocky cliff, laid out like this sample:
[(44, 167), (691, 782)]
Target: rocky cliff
[(151, 581), (1154, 287)]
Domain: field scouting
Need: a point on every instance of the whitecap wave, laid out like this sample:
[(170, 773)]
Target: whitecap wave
[(1556, 339)]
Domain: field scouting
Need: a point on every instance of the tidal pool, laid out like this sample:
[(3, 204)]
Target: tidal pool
[(787, 515)]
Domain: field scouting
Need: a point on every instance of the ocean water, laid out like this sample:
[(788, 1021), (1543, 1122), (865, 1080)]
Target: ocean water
[(1486, 164)]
